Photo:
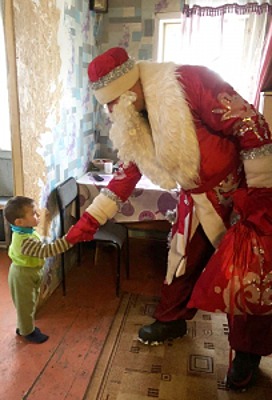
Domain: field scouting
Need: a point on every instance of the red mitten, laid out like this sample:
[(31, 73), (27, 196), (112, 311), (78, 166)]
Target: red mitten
[(124, 181), (83, 230)]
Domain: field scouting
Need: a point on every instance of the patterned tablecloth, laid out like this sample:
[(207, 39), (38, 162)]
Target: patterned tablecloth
[(147, 202)]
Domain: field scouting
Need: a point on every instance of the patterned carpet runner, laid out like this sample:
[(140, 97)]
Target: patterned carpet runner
[(191, 368)]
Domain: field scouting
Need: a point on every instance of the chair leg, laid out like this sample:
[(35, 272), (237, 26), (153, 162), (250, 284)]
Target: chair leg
[(96, 248), (63, 275), (118, 250), (127, 257), (78, 253)]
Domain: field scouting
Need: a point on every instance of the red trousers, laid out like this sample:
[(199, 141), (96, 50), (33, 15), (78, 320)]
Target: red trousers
[(247, 333)]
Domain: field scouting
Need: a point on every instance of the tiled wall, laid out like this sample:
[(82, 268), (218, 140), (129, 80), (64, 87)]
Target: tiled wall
[(54, 44), (54, 47)]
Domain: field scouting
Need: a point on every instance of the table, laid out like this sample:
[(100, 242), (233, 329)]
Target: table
[(148, 202)]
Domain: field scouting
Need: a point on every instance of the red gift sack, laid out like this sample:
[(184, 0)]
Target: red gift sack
[(238, 278)]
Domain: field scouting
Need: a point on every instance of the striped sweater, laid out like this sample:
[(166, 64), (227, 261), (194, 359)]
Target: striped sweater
[(27, 250)]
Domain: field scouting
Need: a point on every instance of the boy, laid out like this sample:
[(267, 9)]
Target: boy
[(27, 253)]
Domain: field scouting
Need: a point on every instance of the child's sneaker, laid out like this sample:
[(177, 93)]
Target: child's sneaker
[(35, 337)]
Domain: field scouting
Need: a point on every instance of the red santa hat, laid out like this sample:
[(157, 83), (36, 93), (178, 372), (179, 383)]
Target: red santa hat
[(111, 74)]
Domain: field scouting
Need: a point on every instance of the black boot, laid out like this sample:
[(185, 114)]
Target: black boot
[(158, 332), (242, 372)]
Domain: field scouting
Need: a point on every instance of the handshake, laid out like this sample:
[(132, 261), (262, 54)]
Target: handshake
[(83, 230)]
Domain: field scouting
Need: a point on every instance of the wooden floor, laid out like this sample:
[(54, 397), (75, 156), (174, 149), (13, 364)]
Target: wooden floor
[(77, 324)]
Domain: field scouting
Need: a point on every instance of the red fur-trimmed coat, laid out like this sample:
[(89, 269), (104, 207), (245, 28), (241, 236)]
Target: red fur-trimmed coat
[(206, 139)]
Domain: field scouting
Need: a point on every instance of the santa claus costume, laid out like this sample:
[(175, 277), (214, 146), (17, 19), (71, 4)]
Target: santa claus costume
[(199, 137)]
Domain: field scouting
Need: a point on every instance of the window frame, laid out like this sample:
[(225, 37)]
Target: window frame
[(160, 20)]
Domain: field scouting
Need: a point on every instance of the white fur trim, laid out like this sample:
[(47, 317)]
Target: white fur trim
[(117, 87), (170, 118), (211, 222), (165, 148), (177, 260), (130, 134), (102, 208), (259, 172), (182, 267)]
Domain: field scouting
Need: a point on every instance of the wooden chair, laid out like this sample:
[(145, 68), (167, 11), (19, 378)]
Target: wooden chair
[(111, 233)]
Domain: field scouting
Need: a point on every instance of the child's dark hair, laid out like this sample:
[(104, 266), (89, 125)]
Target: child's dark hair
[(15, 208)]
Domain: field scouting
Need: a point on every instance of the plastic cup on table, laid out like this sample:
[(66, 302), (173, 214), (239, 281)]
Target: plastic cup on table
[(108, 166)]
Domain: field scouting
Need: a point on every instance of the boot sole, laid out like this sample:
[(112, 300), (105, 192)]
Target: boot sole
[(147, 343), (156, 342)]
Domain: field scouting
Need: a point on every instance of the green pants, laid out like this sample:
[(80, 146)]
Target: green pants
[(24, 284)]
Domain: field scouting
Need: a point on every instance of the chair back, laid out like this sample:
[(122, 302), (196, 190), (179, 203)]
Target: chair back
[(67, 193), (110, 233)]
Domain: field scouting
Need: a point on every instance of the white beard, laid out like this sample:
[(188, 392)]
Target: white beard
[(165, 147), (131, 135)]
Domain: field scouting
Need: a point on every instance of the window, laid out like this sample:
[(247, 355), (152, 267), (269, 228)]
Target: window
[(168, 28), (223, 44)]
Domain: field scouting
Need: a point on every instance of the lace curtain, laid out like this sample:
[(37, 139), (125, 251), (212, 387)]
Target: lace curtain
[(219, 3), (228, 38)]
